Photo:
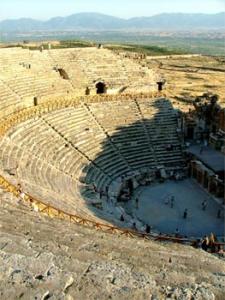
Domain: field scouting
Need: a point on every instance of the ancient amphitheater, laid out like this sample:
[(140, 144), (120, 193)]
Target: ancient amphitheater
[(98, 167)]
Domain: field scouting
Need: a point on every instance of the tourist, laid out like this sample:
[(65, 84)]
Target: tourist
[(106, 193), (107, 189), (172, 201), (107, 197), (204, 204), (122, 218), (212, 242), (219, 214), (166, 201), (205, 243), (148, 228), (136, 202), (94, 187), (177, 232), (87, 91), (185, 213)]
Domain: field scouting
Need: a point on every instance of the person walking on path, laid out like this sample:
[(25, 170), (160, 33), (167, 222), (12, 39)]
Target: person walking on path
[(172, 201), (136, 203), (185, 213), (219, 214), (212, 242), (148, 228), (177, 232), (204, 204), (205, 243), (122, 218)]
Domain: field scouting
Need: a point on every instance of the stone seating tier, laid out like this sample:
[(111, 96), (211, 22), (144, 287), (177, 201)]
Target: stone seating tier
[(26, 74), (59, 155)]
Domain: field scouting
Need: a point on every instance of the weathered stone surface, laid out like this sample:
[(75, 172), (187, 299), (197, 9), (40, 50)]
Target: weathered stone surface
[(57, 260)]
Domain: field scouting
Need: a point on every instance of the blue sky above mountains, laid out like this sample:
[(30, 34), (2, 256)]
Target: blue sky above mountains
[(45, 9)]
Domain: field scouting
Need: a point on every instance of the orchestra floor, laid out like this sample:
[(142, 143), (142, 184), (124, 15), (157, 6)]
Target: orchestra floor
[(153, 209)]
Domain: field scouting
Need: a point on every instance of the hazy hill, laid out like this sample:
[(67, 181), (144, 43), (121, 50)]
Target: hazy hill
[(96, 21), (23, 24), (180, 21), (85, 21)]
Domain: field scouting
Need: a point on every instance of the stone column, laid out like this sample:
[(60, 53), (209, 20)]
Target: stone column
[(209, 184), (193, 166), (220, 190), (205, 180), (202, 177)]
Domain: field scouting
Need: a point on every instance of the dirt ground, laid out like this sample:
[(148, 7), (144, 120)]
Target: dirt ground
[(188, 77)]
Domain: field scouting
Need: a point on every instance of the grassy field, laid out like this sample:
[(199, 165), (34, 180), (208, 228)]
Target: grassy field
[(152, 43), (145, 49)]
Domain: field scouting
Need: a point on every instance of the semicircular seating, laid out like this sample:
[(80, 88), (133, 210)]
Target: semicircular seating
[(26, 74), (60, 155)]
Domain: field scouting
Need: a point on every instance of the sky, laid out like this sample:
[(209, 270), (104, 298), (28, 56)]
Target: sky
[(45, 9)]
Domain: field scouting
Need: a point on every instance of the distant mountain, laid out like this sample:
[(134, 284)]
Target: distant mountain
[(180, 21), (96, 21), (85, 21), (20, 25)]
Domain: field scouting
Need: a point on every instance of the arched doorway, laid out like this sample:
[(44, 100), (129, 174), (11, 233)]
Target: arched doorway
[(100, 88), (160, 86), (190, 133)]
